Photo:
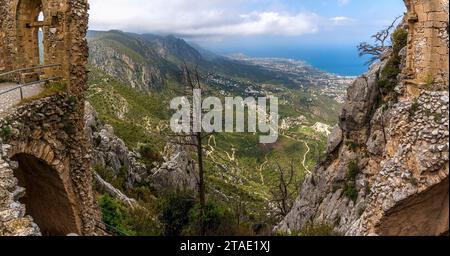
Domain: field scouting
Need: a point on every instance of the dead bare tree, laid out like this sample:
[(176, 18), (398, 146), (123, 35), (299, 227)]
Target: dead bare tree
[(381, 44), (192, 80), (283, 194)]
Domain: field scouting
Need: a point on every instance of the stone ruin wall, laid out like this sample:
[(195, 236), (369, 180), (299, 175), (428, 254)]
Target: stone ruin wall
[(400, 149), (46, 130), (64, 30), (40, 125), (428, 50)]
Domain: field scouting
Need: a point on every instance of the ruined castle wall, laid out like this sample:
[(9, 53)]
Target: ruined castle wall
[(5, 63), (47, 130), (64, 31), (399, 148), (50, 129), (428, 41)]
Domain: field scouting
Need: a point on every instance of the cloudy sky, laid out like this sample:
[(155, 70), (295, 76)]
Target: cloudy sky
[(233, 23), (224, 18)]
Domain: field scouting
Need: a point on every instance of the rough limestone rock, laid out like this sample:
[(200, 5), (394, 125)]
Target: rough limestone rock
[(361, 96), (13, 221), (334, 139), (390, 174), (178, 172), (109, 151), (121, 66), (114, 192)]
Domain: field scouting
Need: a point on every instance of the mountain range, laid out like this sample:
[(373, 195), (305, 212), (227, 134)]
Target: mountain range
[(146, 61), (133, 77)]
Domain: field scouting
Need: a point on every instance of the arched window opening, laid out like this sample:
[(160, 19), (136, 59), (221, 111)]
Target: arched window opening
[(41, 46), (30, 32), (40, 18)]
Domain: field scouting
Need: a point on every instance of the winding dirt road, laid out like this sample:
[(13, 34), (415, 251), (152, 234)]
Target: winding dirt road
[(304, 158), (306, 153)]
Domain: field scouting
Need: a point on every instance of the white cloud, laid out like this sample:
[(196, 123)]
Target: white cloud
[(199, 18), (341, 20), (343, 2), (261, 23)]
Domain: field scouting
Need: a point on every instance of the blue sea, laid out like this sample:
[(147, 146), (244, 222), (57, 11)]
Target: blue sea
[(341, 60)]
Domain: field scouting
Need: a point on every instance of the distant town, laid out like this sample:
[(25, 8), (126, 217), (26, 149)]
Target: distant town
[(302, 74)]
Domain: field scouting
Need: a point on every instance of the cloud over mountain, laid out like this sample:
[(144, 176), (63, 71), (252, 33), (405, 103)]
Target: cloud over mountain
[(199, 18)]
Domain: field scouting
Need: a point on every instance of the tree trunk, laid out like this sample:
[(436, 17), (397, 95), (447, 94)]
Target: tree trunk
[(201, 183)]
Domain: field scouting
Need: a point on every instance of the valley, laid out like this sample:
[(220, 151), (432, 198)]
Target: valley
[(240, 172)]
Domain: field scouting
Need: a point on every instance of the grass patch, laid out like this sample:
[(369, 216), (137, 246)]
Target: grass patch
[(48, 90), (428, 80), (317, 230), (414, 107), (438, 117)]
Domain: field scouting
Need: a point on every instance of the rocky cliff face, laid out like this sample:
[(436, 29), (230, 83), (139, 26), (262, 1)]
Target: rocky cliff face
[(119, 64), (109, 151), (387, 165), (177, 172), (142, 61)]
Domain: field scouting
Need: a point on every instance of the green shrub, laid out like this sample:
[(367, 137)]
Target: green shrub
[(391, 71), (143, 222), (174, 210), (150, 154), (114, 216), (350, 191), (352, 170), (438, 117), (414, 107), (118, 181), (399, 40), (123, 221), (389, 74), (5, 132), (218, 221), (429, 80), (350, 188), (317, 230)]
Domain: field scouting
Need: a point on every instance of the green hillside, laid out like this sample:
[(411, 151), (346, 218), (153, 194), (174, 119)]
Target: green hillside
[(240, 172)]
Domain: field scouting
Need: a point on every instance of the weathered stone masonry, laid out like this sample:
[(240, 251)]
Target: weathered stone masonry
[(428, 41), (397, 151), (45, 149)]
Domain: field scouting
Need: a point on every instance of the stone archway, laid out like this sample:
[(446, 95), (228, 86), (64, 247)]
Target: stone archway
[(426, 213), (47, 198)]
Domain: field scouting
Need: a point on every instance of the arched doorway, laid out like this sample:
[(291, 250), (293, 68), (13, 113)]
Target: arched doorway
[(46, 198), (30, 19), (426, 213)]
